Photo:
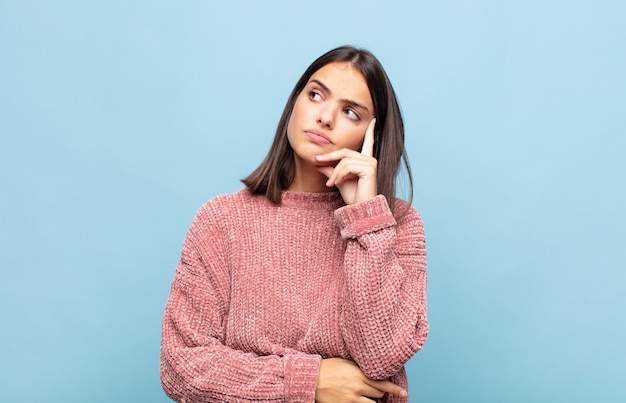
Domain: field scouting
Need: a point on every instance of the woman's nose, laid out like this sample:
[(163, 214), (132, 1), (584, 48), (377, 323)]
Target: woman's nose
[(326, 118)]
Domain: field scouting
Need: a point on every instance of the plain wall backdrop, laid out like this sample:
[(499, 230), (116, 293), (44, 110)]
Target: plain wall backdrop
[(118, 119)]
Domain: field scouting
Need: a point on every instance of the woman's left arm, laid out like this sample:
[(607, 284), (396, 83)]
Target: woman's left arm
[(384, 300)]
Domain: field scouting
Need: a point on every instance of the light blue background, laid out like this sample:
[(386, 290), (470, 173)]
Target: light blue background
[(118, 119)]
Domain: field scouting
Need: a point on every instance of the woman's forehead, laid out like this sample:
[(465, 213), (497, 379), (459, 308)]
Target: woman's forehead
[(344, 81)]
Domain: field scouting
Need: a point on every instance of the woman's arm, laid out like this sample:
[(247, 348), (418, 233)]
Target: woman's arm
[(195, 364), (384, 309)]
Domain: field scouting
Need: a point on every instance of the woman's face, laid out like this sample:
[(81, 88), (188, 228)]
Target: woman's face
[(331, 112)]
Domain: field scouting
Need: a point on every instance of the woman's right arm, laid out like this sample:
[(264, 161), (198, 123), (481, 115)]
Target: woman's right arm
[(196, 366)]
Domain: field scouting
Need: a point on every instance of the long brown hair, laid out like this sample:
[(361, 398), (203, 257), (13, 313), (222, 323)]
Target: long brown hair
[(276, 172)]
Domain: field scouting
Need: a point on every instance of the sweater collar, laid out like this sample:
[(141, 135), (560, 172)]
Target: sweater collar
[(323, 200)]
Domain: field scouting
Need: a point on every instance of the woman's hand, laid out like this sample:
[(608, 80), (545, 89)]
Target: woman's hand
[(342, 380), (355, 173)]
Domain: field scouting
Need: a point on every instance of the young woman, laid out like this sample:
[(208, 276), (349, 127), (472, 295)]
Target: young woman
[(310, 283)]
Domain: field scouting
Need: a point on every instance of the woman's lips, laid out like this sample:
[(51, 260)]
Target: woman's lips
[(317, 137)]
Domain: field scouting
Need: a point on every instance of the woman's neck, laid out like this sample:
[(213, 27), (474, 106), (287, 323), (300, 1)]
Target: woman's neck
[(308, 179)]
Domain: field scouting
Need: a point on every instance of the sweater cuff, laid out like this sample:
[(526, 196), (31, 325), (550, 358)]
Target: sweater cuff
[(367, 216), (301, 373)]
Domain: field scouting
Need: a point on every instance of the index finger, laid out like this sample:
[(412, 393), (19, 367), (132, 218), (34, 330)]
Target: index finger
[(388, 387), (368, 141)]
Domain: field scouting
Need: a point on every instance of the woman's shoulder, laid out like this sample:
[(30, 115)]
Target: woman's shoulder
[(226, 204), (404, 211), (229, 198)]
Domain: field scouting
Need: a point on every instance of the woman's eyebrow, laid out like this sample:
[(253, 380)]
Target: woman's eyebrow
[(349, 101)]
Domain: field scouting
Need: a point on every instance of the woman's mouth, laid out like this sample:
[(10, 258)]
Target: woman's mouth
[(317, 137)]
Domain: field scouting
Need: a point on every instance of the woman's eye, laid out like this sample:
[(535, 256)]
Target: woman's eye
[(314, 96), (351, 113)]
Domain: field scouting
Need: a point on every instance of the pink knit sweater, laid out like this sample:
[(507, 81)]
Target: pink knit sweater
[(263, 292)]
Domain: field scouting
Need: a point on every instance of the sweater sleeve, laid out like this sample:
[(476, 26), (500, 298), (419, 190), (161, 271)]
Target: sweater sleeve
[(196, 365), (384, 301)]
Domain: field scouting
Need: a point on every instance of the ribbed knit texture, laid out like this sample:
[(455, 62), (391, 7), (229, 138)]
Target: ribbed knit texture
[(263, 292)]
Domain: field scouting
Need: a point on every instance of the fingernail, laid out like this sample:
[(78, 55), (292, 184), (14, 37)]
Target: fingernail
[(404, 393)]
